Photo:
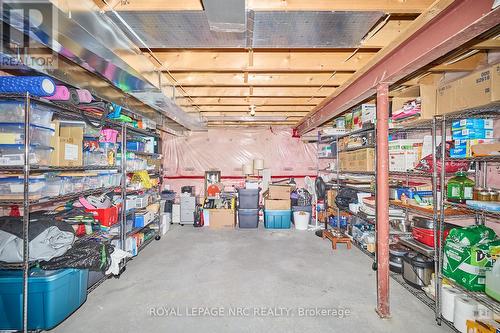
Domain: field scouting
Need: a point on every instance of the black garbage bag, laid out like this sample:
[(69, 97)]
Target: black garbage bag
[(89, 254), (345, 197)]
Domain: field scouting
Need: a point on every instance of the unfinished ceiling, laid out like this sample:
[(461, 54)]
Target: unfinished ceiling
[(289, 56)]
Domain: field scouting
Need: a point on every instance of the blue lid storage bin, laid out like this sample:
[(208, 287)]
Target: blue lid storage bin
[(248, 218), (52, 297), (277, 219), (248, 198)]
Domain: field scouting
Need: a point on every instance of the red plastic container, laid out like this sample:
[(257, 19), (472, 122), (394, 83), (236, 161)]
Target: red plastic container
[(106, 216), (426, 236)]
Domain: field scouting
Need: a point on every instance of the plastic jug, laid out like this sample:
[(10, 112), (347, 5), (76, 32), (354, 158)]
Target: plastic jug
[(493, 281)]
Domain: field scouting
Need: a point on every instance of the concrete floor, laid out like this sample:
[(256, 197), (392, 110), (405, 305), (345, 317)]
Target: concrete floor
[(271, 277)]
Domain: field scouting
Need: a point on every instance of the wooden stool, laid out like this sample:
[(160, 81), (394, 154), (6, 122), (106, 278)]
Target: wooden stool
[(337, 239)]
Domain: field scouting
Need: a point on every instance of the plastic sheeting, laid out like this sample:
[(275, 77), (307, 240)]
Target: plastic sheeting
[(187, 158)]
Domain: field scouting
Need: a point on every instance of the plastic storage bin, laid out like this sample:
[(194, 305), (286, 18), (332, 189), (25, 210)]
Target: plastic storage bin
[(248, 218), (104, 178), (13, 187), (53, 186), (277, 219), (52, 297), (79, 183), (13, 112), (66, 185), (13, 134), (135, 146), (14, 155), (248, 198), (106, 216)]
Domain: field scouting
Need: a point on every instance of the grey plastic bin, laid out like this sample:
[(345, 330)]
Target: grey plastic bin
[(307, 209), (248, 198), (248, 218)]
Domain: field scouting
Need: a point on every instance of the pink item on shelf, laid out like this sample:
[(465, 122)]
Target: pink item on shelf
[(61, 94), (84, 95), (85, 203), (108, 135)]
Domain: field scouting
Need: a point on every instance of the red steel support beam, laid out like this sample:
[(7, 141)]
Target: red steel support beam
[(383, 308), (457, 24)]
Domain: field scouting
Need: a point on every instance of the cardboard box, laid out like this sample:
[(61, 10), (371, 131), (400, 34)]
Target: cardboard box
[(68, 144), (445, 95), (222, 219), (476, 89), (358, 160), (485, 149), (273, 204), (427, 94), (279, 192), (495, 82)]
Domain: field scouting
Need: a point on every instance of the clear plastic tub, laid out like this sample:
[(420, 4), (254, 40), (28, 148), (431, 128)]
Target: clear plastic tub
[(92, 182), (53, 186), (14, 155), (66, 185), (115, 179), (13, 187), (79, 184), (104, 178), (13, 112), (13, 134)]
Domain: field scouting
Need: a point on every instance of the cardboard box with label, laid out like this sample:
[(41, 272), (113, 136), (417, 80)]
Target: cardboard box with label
[(476, 89), (67, 143), (222, 219), (273, 204), (281, 192)]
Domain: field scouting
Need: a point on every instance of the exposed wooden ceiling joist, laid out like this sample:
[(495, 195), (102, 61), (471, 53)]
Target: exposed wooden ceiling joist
[(260, 113), (267, 80), (388, 6), (465, 65), (277, 101), (227, 108), (260, 91), (275, 61)]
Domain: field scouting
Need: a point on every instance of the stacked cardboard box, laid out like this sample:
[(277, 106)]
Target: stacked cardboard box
[(357, 160), (277, 197)]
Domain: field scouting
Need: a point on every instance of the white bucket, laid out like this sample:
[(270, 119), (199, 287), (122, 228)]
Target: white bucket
[(301, 220)]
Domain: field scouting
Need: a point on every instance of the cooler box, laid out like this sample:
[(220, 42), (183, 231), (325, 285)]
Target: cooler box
[(248, 218), (52, 297), (277, 219)]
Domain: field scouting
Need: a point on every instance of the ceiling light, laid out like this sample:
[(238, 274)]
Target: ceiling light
[(252, 110)]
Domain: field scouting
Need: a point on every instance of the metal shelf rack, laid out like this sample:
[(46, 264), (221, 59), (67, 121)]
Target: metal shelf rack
[(444, 121), (28, 202)]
